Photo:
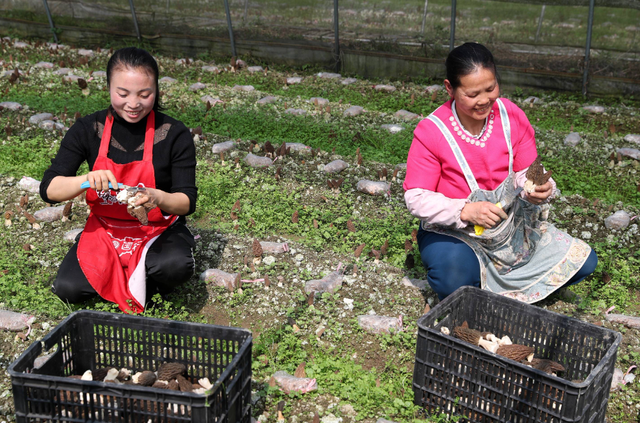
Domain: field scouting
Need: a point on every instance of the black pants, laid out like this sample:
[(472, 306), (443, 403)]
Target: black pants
[(169, 263)]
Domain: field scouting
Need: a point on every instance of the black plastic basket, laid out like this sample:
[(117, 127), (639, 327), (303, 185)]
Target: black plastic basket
[(458, 378), (88, 340)]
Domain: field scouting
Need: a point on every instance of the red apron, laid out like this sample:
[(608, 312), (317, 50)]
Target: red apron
[(113, 245)]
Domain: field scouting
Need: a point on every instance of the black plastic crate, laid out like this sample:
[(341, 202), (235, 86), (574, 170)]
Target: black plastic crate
[(88, 340), (458, 378)]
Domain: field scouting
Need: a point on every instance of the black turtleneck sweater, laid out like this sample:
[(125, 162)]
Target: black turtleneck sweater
[(174, 154)]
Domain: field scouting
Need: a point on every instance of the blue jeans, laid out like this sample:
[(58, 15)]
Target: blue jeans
[(451, 263)]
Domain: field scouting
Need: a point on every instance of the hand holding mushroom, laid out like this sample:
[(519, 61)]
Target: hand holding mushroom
[(537, 187), (139, 202)]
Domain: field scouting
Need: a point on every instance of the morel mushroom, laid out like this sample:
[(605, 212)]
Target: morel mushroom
[(536, 176), (184, 384), (300, 372), (147, 378), (358, 250), (410, 261), (101, 373), (7, 218), (66, 211), (395, 174), (283, 150), (335, 184), (516, 352), (111, 376), (408, 245), (160, 384), (269, 149), (376, 254), (24, 200), (294, 218), (474, 337), (124, 374), (169, 371), (547, 366), (141, 211), (32, 220), (350, 226), (256, 248), (384, 248)]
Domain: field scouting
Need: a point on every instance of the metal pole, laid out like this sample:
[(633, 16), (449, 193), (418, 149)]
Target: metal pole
[(453, 24), (233, 43), (424, 17), (167, 6), (135, 19), (246, 5), (336, 27), (53, 28), (540, 22), (585, 77)]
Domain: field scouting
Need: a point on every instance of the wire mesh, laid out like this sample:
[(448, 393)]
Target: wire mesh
[(547, 37)]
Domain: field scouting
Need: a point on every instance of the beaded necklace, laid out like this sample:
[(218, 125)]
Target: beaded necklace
[(477, 140)]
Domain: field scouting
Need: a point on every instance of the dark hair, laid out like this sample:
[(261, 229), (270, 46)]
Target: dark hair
[(133, 58), (466, 59)]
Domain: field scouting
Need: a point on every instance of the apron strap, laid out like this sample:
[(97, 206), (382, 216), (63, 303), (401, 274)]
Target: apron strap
[(457, 152), (149, 135), (506, 128), (106, 136)]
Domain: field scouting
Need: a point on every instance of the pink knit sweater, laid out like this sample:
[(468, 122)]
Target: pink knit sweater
[(435, 187)]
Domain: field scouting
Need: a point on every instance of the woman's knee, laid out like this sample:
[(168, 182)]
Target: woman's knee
[(590, 265), (587, 268), (450, 263), (67, 290), (70, 284), (172, 270), (170, 259), (453, 271)]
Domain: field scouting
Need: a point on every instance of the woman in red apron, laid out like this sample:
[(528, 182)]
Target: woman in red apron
[(130, 143)]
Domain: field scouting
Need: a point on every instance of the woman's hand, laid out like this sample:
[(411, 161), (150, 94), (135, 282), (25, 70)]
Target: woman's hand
[(482, 213), (99, 180), (149, 196), (172, 203), (541, 194)]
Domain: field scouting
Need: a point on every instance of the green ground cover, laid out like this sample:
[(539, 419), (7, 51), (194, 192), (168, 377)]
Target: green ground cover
[(371, 373)]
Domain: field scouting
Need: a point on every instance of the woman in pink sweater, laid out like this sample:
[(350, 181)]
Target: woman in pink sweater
[(465, 172)]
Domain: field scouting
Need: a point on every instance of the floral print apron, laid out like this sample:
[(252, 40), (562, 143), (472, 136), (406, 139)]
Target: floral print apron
[(524, 257)]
